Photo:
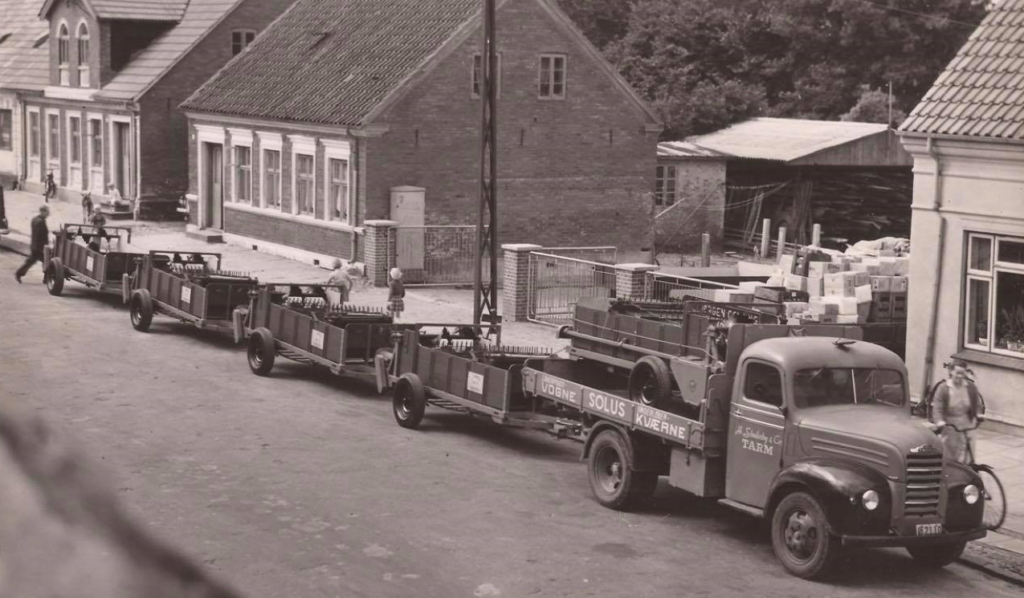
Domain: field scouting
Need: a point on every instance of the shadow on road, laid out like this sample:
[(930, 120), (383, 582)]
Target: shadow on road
[(525, 442)]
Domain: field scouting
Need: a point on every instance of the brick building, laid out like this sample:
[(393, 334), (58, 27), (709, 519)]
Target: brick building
[(116, 72), (23, 73), (348, 111)]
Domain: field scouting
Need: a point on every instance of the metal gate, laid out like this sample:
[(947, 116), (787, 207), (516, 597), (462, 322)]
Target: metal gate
[(661, 286), (556, 282), (438, 255)]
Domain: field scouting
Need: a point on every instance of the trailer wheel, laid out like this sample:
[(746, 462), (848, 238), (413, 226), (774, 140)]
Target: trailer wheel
[(800, 536), (54, 277), (650, 382), (938, 555), (613, 480), (141, 310), (409, 401), (261, 351)]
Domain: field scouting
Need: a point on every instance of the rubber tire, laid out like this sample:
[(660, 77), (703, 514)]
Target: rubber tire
[(635, 487), (261, 351), (54, 277), (409, 401), (937, 556), (653, 371), (140, 310), (825, 553), (987, 478)]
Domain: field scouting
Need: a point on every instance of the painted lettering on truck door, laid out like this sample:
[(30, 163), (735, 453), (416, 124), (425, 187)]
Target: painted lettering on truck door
[(756, 432)]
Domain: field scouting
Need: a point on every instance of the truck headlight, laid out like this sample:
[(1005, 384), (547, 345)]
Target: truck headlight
[(971, 494), (870, 500)]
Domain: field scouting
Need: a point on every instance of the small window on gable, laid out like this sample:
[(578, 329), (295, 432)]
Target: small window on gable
[(240, 39), (64, 54), (552, 77), (478, 76), (83, 55)]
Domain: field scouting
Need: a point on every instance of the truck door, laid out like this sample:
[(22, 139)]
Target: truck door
[(757, 425)]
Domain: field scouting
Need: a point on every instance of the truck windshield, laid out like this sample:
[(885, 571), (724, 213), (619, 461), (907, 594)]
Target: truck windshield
[(847, 386)]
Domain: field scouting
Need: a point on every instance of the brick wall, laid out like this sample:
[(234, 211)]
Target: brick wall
[(572, 172), (700, 206), (293, 234)]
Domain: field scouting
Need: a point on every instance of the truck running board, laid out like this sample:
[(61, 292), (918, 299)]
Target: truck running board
[(749, 510)]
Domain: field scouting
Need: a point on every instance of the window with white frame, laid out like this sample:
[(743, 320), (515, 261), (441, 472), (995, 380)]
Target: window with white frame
[(95, 142), (338, 193), (6, 130), (304, 179), (243, 174), (75, 140), (240, 38), (33, 134), (665, 186), (271, 186), (83, 54), (53, 132), (994, 294), (477, 79), (64, 54), (552, 77)]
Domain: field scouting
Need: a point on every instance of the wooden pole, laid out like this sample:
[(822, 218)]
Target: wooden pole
[(816, 235), (766, 237), (782, 244), (705, 250)]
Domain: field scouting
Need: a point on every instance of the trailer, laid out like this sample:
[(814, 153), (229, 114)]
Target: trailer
[(190, 287), (304, 323), (84, 262)]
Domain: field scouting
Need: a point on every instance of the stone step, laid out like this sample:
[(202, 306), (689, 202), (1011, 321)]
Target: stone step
[(206, 235)]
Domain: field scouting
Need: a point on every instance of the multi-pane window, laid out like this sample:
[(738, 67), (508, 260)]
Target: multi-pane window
[(53, 128), (304, 190), (96, 142), (75, 139), (994, 298), (665, 186), (83, 55), (337, 197), (64, 54), (33, 134), (240, 39), (477, 80), (271, 178), (6, 129), (243, 173), (552, 76)]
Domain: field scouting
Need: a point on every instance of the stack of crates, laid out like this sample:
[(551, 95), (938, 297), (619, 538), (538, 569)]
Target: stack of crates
[(888, 307)]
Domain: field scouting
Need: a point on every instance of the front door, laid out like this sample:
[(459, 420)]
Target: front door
[(757, 426), (214, 177), (407, 208), (122, 163)]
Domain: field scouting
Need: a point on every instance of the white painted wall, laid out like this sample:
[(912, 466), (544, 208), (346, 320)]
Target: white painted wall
[(10, 161)]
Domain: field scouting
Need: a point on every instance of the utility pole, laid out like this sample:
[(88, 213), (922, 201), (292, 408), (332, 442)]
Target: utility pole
[(485, 295)]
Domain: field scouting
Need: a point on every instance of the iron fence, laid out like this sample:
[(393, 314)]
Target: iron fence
[(439, 255), (660, 286), (556, 283)]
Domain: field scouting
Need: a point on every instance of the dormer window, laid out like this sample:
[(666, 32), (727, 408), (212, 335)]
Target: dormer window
[(240, 38), (83, 55), (64, 54)]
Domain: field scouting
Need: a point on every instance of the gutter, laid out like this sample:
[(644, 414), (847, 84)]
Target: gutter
[(929, 356)]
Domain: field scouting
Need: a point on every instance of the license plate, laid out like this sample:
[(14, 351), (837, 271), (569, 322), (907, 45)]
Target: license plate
[(929, 529)]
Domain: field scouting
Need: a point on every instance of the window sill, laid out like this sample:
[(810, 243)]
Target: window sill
[(299, 218), (981, 357)]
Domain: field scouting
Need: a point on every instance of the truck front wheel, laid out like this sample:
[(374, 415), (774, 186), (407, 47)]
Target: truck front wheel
[(938, 555), (800, 536), (612, 478)]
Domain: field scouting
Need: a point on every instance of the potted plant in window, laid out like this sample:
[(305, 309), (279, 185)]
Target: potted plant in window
[(1012, 328), (981, 332)]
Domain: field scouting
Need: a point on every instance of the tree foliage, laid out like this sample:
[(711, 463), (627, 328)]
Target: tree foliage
[(704, 64)]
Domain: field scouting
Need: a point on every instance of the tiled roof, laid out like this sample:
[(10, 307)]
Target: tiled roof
[(158, 57), (685, 149), (22, 65), (783, 139), (981, 92), (332, 61), (140, 10)]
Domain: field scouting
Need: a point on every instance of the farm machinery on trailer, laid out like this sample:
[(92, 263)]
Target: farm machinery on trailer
[(85, 263)]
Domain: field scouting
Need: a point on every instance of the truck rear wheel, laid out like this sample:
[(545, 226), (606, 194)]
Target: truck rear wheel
[(613, 480), (141, 310), (54, 276), (650, 382), (800, 536), (409, 401), (261, 351), (937, 555)]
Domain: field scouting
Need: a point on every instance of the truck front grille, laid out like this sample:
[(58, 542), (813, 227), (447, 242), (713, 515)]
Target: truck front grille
[(924, 477)]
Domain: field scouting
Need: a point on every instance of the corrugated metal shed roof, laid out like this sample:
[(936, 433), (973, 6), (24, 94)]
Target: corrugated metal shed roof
[(784, 139), (981, 92), (332, 61), (23, 66), (685, 149)]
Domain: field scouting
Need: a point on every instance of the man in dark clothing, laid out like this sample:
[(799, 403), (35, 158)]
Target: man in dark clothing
[(40, 239)]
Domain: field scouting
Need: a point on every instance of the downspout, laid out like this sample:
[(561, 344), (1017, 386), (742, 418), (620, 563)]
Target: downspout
[(354, 217), (929, 355)]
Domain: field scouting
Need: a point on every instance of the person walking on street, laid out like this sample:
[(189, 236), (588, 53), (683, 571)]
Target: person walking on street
[(340, 277), (40, 239), (86, 207), (50, 189), (396, 294)]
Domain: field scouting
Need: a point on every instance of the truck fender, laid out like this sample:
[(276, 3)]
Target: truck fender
[(838, 487), (644, 454)]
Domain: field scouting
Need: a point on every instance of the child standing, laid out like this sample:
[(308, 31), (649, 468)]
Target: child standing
[(396, 294), (86, 207)]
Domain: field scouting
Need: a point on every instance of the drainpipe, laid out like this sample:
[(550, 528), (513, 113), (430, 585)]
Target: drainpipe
[(929, 355)]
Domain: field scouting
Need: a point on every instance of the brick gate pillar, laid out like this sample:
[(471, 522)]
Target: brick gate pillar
[(630, 280), (380, 250), (516, 280)]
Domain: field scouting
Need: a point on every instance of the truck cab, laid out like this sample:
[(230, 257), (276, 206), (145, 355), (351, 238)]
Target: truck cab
[(821, 441)]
